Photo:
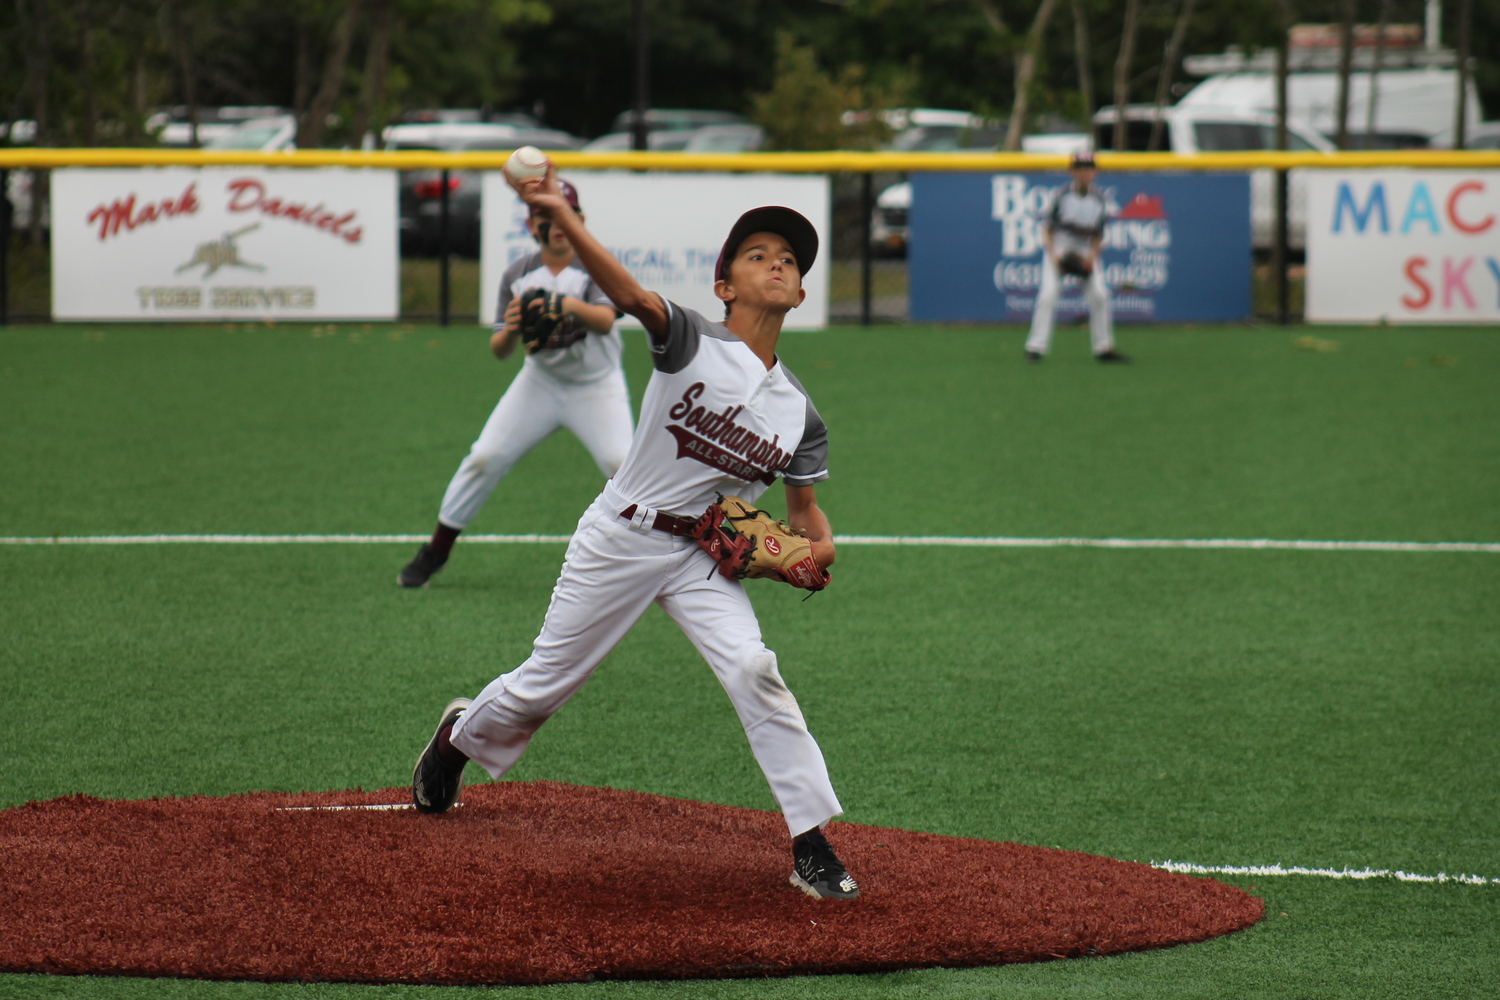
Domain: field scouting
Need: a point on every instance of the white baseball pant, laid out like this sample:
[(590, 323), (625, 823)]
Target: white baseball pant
[(613, 570), (1095, 293), (534, 406)]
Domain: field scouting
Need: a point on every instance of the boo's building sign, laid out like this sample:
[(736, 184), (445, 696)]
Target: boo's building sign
[(1403, 246), (224, 243), (1176, 246)]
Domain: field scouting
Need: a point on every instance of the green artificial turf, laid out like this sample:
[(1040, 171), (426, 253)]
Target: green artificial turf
[(1325, 709)]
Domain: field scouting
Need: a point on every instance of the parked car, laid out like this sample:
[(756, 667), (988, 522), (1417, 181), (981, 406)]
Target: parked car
[(421, 191), (921, 130), (1412, 105), (677, 119), (272, 134), (1485, 135), (1058, 143), (1189, 129), (740, 138), (890, 228), (660, 141), (173, 126), (430, 116)]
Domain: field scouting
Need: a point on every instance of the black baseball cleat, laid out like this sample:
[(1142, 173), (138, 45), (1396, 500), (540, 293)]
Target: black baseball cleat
[(817, 871), (1112, 356), (417, 572), (435, 783), (1033, 357)]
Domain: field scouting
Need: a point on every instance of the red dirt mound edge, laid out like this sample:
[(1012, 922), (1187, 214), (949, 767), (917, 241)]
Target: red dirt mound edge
[(544, 883)]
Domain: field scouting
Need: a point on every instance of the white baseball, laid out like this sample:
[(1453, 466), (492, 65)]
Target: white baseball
[(526, 163)]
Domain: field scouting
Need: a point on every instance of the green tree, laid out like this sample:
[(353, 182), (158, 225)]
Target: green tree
[(809, 108)]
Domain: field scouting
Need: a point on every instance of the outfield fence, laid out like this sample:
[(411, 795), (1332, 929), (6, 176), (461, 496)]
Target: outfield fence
[(1431, 276)]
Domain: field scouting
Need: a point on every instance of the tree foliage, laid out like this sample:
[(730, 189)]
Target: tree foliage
[(805, 107), (92, 71)]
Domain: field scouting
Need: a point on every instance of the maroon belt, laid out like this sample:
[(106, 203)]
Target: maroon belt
[(670, 523)]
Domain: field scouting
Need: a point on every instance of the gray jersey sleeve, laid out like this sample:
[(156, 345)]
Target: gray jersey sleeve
[(528, 263), (594, 296), (809, 462), (685, 328)]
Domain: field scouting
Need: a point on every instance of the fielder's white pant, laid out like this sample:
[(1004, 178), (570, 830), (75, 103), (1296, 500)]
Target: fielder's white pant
[(1095, 293), (613, 570), (534, 406)]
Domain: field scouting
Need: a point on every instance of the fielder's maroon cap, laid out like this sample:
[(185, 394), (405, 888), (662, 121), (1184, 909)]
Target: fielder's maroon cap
[(569, 193), (1082, 158), (789, 225)]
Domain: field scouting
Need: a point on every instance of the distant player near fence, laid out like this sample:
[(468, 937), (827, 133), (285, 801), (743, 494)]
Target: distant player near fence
[(571, 378), (1072, 235)]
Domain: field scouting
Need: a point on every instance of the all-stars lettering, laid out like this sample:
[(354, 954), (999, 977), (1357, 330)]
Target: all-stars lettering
[(757, 456)]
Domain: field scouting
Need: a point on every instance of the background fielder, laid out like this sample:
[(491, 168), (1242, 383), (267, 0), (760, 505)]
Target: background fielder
[(1071, 237), (719, 416), (571, 379)]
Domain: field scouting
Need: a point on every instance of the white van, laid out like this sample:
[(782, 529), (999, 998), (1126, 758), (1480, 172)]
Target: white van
[(1411, 105), (1190, 129)]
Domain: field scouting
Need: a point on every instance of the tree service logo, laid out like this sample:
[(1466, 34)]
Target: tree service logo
[(221, 253)]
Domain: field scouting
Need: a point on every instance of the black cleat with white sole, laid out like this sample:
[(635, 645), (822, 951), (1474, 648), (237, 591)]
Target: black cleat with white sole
[(817, 871), (435, 783), (417, 572)]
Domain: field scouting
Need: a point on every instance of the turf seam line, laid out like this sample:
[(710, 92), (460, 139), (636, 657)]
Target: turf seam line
[(1340, 873), (927, 540)]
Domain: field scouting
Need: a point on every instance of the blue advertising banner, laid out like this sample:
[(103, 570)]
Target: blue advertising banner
[(1177, 246)]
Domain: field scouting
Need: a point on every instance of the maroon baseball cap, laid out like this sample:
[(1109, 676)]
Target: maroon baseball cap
[(789, 225), (1081, 160), (569, 193)]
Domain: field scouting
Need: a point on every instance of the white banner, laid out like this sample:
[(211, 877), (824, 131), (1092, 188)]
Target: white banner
[(666, 228), (177, 243), (1403, 246)]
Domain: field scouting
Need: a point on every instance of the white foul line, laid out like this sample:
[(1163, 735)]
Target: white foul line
[(1349, 873), (913, 540)]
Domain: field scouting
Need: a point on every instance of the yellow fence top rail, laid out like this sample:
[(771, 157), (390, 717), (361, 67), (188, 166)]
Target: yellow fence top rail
[(811, 163)]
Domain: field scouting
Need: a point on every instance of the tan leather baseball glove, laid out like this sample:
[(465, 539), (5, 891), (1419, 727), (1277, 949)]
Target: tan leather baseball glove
[(748, 543)]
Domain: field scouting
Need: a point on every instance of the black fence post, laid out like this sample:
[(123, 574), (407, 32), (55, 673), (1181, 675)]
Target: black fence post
[(443, 252), (5, 247), (866, 208), (1279, 251)]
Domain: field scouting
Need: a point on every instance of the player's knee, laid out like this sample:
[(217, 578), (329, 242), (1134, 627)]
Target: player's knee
[(761, 678), (486, 463)]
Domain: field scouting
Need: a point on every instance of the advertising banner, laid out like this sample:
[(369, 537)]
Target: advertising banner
[(665, 228), (224, 243), (1176, 247), (1403, 246)]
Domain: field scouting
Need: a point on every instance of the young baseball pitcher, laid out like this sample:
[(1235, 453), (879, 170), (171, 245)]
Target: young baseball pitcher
[(720, 421), (571, 378)]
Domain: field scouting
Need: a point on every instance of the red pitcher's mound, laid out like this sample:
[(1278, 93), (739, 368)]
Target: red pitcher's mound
[(544, 883)]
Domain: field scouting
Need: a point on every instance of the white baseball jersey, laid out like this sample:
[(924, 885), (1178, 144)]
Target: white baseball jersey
[(715, 420), (572, 353), (1076, 220)]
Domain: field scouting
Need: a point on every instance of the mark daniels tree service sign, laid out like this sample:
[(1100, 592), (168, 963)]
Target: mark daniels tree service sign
[(224, 243), (1176, 247), (1403, 246)]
